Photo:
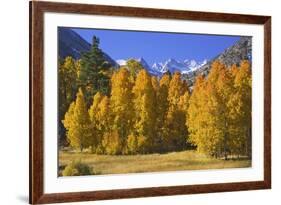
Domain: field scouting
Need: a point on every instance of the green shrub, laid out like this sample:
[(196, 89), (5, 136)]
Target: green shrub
[(77, 168)]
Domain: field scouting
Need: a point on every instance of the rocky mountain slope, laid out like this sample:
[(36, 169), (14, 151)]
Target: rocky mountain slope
[(241, 50), (72, 44)]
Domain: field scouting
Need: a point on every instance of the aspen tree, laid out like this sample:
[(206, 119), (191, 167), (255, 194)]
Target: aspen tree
[(121, 106), (77, 123), (176, 118), (144, 104)]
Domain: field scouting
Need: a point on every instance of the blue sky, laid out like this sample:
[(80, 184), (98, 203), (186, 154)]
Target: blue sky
[(158, 46)]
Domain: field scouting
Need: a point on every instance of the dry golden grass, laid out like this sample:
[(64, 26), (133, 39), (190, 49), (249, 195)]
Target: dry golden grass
[(174, 161)]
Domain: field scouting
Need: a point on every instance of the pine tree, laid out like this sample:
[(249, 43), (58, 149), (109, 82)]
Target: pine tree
[(144, 106), (92, 75), (77, 123)]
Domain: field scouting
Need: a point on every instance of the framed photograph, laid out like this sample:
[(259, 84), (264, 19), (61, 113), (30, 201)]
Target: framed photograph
[(134, 102)]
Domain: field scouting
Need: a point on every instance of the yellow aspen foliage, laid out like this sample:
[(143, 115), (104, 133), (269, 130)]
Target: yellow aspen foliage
[(176, 117), (67, 80), (104, 121), (161, 110), (94, 107), (134, 67), (217, 116), (132, 143), (112, 143), (162, 98), (144, 114), (67, 89), (177, 88), (183, 106), (155, 84), (242, 109), (184, 101), (103, 115), (96, 133), (219, 112), (136, 144), (77, 123), (144, 106), (121, 105), (195, 118), (68, 119)]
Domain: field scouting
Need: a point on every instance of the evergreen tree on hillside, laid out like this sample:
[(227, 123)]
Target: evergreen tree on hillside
[(93, 75)]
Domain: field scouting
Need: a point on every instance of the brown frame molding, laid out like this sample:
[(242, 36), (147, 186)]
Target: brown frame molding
[(36, 21)]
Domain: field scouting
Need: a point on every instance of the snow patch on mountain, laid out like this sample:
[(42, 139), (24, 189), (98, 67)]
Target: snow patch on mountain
[(121, 62), (173, 65)]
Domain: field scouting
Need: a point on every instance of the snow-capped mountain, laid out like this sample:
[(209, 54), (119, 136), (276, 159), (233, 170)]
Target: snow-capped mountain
[(170, 65), (173, 65), (122, 62), (193, 65)]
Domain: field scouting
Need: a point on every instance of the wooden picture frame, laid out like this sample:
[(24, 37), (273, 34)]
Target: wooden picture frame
[(36, 191)]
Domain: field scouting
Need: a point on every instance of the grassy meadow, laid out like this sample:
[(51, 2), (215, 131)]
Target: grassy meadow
[(173, 161)]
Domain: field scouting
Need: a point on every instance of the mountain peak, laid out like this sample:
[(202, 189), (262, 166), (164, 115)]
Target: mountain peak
[(172, 65)]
